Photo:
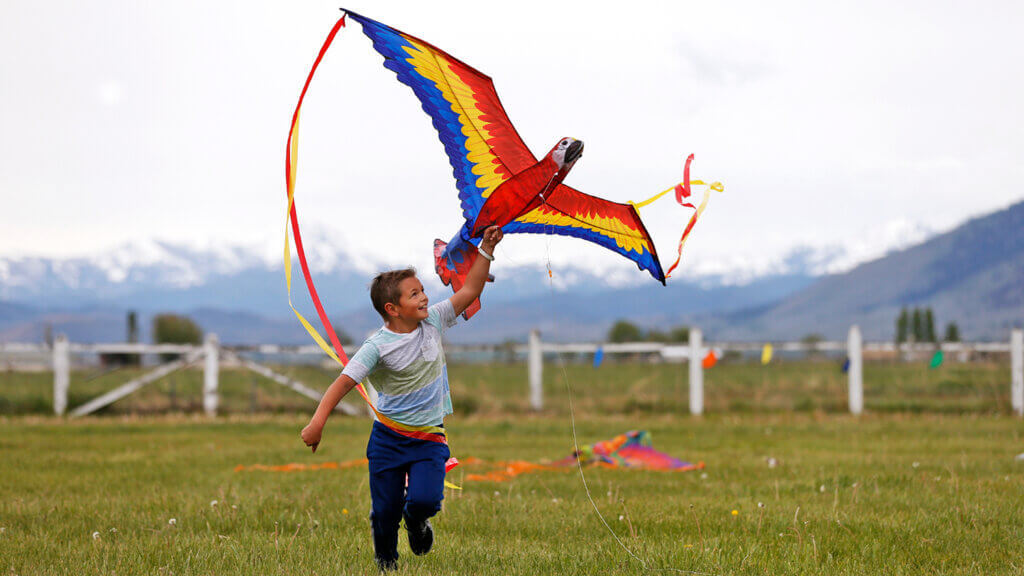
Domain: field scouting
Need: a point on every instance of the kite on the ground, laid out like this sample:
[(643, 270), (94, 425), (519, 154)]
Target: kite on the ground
[(630, 450)]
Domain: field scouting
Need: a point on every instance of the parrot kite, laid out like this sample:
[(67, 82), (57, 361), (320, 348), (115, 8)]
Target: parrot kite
[(500, 182)]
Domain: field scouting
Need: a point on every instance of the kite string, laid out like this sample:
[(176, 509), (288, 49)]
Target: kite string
[(576, 448)]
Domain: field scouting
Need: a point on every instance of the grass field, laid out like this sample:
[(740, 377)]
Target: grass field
[(925, 483), (893, 494)]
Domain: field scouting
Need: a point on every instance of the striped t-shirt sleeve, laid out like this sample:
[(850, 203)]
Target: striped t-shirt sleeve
[(363, 362), (442, 315)]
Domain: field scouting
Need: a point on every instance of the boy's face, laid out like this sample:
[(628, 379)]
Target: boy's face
[(412, 302)]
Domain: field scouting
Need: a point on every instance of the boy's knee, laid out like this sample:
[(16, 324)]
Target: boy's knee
[(420, 508)]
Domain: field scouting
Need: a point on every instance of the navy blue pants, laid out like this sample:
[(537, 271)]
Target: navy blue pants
[(391, 457)]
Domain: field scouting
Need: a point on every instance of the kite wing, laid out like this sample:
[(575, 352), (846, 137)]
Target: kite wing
[(615, 226), (482, 145)]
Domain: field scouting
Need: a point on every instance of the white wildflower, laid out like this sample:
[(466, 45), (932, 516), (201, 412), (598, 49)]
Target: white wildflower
[(234, 507), (821, 488), (916, 464), (772, 462), (760, 504), (621, 517), (95, 535), (213, 503), (173, 521), (703, 475)]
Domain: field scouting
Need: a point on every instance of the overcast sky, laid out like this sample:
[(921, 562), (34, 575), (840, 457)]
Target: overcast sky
[(829, 123)]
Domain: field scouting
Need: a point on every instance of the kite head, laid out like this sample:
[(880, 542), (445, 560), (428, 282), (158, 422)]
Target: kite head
[(566, 153)]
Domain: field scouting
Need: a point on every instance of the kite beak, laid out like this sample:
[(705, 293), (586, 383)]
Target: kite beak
[(574, 151)]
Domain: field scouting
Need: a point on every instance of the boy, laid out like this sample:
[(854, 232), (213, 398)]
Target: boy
[(411, 380)]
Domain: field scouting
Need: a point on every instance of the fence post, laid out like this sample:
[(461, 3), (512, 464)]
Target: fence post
[(61, 374), (1017, 371), (535, 358), (210, 374), (855, 372), (696, 372)]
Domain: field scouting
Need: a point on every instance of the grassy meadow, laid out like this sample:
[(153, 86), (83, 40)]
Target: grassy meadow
[(933, 494), (925, 483)]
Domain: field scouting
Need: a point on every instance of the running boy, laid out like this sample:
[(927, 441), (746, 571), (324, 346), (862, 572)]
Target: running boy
[(409, 374)]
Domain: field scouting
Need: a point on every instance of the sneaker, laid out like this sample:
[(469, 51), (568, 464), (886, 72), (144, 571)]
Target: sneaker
[(421, 536), (386, 565)]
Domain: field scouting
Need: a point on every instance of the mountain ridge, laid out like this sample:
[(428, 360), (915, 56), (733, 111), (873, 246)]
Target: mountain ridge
[(239, 293)]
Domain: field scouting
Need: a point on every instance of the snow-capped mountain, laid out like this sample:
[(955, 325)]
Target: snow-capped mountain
[(240, 289), (154, 274)]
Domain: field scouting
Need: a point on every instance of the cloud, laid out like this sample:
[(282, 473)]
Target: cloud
[(720, 68), (109, 93)]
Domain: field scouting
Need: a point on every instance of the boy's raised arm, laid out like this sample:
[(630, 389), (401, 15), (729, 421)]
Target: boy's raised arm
[(477, 276), (335, 392)]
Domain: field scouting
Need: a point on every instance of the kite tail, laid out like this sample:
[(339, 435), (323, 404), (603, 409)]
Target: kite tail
[(334, 349), (683, 192), (452, 262)]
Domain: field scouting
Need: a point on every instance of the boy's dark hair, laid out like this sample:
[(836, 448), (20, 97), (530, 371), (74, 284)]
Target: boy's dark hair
[(384, 288)]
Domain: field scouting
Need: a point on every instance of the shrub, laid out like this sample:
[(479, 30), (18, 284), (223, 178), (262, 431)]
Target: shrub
[(623, 331), (174, 329)]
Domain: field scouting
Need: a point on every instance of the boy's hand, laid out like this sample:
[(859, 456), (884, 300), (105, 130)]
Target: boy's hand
[(492, 235), (311, 435)]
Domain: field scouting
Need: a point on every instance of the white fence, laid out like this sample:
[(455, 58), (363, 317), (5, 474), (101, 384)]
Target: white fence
[(692, 353), (210, 352), (854, 347)]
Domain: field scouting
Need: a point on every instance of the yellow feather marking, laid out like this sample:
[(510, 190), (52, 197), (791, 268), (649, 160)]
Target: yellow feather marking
[(626, 238), (463, 102)]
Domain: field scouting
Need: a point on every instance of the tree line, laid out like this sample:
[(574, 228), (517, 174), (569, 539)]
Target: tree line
[(918, 325), (624, 331)]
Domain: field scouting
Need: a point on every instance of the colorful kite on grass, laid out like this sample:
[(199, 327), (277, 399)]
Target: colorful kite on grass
[(630, 450)]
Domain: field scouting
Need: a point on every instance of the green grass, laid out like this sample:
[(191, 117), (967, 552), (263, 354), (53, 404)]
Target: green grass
[(892, 494), (616, 388)]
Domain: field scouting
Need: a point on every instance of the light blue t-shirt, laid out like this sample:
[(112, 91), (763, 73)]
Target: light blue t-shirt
[(409, 370)]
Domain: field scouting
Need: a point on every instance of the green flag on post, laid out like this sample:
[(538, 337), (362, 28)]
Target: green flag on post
[(936, 359)]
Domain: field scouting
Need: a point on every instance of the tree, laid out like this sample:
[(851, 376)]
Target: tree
[(952, 332), (929, 325), (679, 334), (132, 328), (901, 326), (623, 331), (656, 336), (917, 325), (174, 329), (810, 342)]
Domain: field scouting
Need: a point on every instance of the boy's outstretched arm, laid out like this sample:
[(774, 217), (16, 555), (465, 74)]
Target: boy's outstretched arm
[(477, 276), (337, 390)]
